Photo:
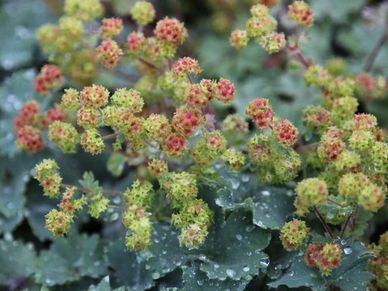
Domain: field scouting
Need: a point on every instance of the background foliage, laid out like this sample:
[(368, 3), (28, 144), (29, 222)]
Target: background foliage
[(236, 254)]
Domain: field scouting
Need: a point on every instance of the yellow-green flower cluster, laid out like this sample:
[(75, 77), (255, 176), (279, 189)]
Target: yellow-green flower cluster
[(261, 26), (234, 159), (211, 146), (64, 135), (193, 218), (46, 172), (92, 142), (293, 234), (143, 12), (310, 192), (136, 219)]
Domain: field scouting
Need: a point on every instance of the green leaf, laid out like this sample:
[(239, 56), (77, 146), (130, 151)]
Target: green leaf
[(352, 274), (128, 269), (234, 249), (90, 183), (341, 12), (195, 279), (115, 164), (271, 206), (69, 259), (104, 285), (12, 202), (20, 47), (17, 261)]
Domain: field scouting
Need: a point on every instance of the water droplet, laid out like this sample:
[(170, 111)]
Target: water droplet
[(239, 236), (231, 273), (216, 266), (246, 269), (348, 251), (265, 193), (343, 242), (291, 274), (200, 282), (235, 184), (245, 178), (264, 262)]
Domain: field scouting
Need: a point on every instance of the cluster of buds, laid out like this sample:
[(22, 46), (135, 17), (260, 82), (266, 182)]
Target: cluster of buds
[(136, 219), (111, 27), (50, 77), (85, 10), (47, 174), (378, 264), (58, 221), (325, 257), (310, 192), (261, 26), (301, 13), (271, 151), (211, 146), (293, 234), (193, 216), (29, 122), (109, 53), (64, 135), (370, 88), (143, 12)]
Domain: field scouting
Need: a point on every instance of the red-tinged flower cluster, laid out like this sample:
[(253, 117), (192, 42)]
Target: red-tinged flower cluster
[(157, 167), (364, 121), (285, 132), (186, 120), (331, 144), (109, 53), (325, 257), (260, 112), (225, 90), (94, 96), (196, 96), (185, 66), (171, 30), (269, 3), (316, 117), (136, 42), (28, 138), (174, 145), (28, 115), (49, 77), (53, 114), (301, 13), (111, 27)]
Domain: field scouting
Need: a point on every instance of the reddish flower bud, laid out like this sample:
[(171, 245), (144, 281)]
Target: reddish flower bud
[(186, 65), (225, 90), (53, 114), (186, 120), (174, 145), (301, 13), (285, 132), (49, 77), (260, 112), (28, 115), (171, 30), (29, 139), (136, 42), (109, 53), (111, 27)]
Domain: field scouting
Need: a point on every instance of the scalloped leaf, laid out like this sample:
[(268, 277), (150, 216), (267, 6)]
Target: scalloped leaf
[(352, 274), (17, 261), (129, 271), (71, 258), (271, 206), (234, 249), (194, 279)]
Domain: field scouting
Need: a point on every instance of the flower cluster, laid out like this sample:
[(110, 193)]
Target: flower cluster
[(293, 234), (378, 264), (300, 12), (261, 27), (325, 257), (271, 151), (50, 77), (136, 219), (30, 122), (193, 216)]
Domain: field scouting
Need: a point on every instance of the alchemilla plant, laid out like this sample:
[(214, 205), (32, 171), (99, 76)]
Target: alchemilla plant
[(203, 197)]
